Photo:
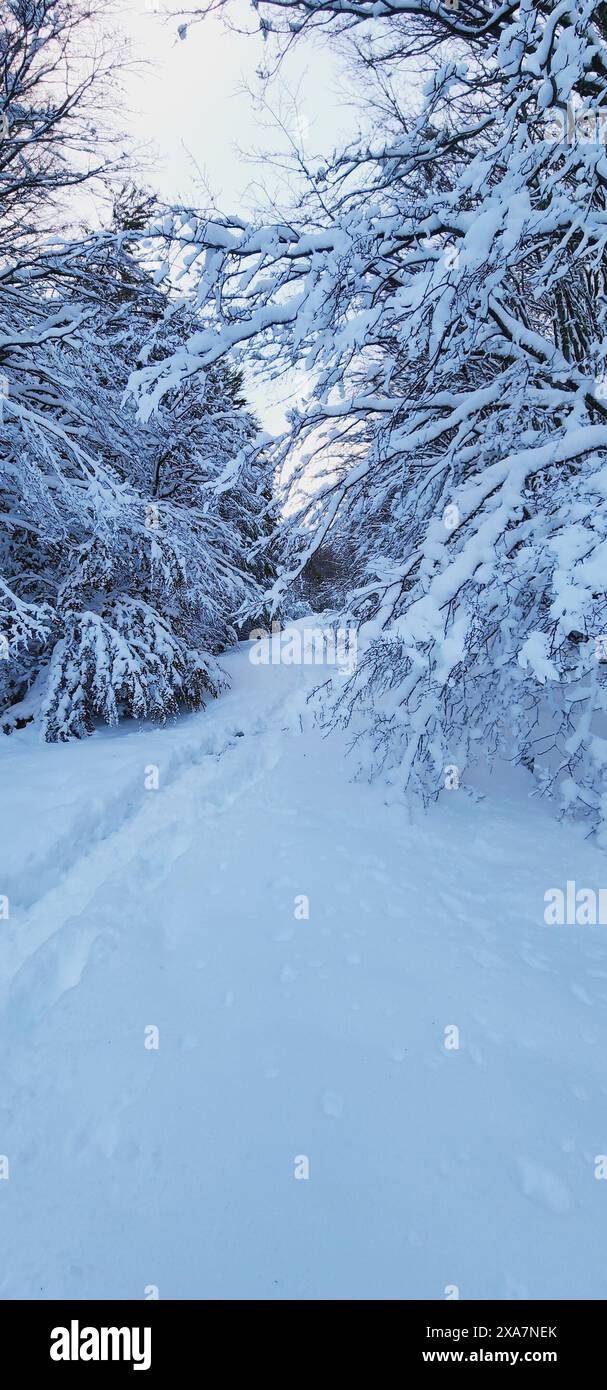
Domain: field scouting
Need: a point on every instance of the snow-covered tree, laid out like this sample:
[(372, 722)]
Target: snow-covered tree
[(61, 69), (124, 546), (442, 283)]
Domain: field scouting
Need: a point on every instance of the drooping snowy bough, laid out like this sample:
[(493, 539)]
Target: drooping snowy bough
[(442, 284), (122, 561)]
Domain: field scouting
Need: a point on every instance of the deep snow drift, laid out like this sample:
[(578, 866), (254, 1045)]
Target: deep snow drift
[(285, 1038)]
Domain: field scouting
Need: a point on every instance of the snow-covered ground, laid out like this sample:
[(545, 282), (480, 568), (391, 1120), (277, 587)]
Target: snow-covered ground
[(285, 1038)]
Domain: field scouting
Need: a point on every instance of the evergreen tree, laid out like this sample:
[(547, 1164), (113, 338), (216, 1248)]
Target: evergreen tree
[(124, 545)]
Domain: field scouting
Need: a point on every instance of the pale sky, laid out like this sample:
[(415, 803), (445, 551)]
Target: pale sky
[(192, 107)]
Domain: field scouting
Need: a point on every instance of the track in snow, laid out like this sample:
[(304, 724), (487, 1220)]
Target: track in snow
[(282, 1039)]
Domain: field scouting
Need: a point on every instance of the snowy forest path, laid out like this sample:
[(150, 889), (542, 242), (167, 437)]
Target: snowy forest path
[(300, 951)]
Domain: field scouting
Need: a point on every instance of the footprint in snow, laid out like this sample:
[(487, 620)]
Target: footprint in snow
[(488, 960), (534, 960), (543, 1187), (333, 1104), (580, 993)]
